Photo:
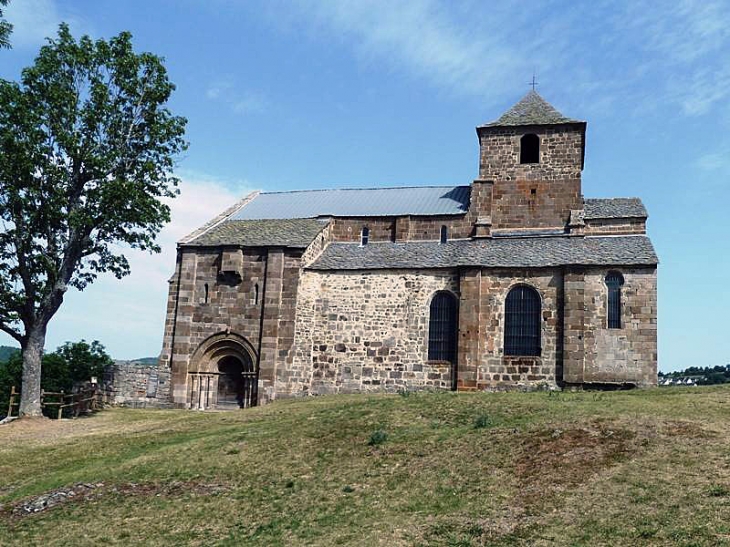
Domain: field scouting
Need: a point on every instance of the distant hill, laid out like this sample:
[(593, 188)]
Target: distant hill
[(146, 360), (6, 352)]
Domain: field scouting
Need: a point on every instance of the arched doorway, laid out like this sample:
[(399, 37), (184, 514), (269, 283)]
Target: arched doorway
[(236, 382), (222, 374)]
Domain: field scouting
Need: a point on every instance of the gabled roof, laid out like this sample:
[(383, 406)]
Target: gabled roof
[(491, 253), (357, 202), (532, 109), (295, 233), (595, 208)]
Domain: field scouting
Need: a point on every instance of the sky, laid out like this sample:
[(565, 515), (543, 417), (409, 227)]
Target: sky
[(284, 95)]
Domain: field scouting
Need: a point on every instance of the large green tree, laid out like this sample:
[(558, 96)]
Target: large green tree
[(88, 149), (5, 27)]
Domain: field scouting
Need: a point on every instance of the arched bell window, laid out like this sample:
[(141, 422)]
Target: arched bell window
[(530, 148), (443, 326), (522, 321), (614, 282)]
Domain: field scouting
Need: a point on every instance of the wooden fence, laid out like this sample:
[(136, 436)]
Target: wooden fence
[(55, 403)]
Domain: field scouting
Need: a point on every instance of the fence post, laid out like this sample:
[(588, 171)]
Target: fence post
[(12, 400)]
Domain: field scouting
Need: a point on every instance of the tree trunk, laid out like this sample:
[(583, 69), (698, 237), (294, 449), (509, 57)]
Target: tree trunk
[(30, 394)]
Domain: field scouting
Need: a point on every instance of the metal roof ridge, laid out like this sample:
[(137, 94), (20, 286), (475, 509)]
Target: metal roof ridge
[(366, 188)]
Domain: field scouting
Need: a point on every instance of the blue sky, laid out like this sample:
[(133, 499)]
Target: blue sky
[(299, 94)]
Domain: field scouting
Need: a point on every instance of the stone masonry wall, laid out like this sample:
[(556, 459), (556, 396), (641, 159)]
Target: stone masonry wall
[(128, 383), (482, 363), (365, 332), (228, 307), (539, 195), (615, 226), (264, 296), (402, 228), (628, 354)]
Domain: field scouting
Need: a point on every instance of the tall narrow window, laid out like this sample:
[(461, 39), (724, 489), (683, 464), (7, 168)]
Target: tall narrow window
[(444, 234), (522, 322), (205, 301), (614, 282), (530, 148), (256, 294), (443, 325), (364, 236)]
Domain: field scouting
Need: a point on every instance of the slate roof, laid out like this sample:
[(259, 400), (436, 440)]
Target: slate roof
[(357, 202), (296, 233), (493, 253), (614, 208), (532, 109)]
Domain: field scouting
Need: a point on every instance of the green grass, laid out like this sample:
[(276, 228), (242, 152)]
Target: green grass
[(620, 468)]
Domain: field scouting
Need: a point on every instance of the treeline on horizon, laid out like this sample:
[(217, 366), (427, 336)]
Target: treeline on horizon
[(706, 376)]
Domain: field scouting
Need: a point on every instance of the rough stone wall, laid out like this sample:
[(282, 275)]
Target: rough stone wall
[(268, 279), (127, 383), (539, 195), (615, 226), (349, 229), (482, 363), (316, 247), (629, 354), (365, 332), (403, 228), (429, 228)]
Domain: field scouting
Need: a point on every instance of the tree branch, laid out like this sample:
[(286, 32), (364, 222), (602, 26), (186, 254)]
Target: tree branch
[(12, 332)]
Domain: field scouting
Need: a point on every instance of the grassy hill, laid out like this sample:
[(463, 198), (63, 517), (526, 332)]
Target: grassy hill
[(620, 468)]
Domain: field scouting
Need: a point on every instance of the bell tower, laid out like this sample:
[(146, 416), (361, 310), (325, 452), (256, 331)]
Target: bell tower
[(530, 162)]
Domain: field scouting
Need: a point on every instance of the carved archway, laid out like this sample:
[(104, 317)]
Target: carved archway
[(222, 374)]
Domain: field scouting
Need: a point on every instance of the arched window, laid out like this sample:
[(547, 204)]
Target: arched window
[(444, 234), (530, 148), (614, 282), (205, 298), (443, 325), (364, 236), (522, 322)]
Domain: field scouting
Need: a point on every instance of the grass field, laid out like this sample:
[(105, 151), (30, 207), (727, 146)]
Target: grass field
[(619, 468)]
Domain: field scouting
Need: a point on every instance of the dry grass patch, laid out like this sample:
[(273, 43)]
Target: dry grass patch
[(647, 467)]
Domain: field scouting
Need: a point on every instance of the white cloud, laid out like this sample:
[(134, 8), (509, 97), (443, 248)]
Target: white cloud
[(35, 20), (240, 102), (713, 161), (217, 89), (618, 50), (251, 103), (423, 37)]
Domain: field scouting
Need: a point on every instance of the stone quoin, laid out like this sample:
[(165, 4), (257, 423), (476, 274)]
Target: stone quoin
[(514, 281)]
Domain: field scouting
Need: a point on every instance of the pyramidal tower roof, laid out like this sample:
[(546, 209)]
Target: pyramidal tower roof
[(532, 109)]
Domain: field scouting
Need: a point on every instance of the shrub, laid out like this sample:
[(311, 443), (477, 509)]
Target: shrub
[(69, 365), (482, 421), (378, 437)]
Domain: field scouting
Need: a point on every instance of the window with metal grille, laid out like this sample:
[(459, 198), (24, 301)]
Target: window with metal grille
[(364, 235), (614, 281), (530, 148), (522, 322), (443, 326)]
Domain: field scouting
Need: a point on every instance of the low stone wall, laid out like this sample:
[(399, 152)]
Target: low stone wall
[(137, 385)]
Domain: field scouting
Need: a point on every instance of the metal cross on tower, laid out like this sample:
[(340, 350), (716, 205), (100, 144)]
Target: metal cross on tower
[(533, 83)]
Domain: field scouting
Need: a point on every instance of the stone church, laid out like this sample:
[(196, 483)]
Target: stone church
[(515, 281)]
